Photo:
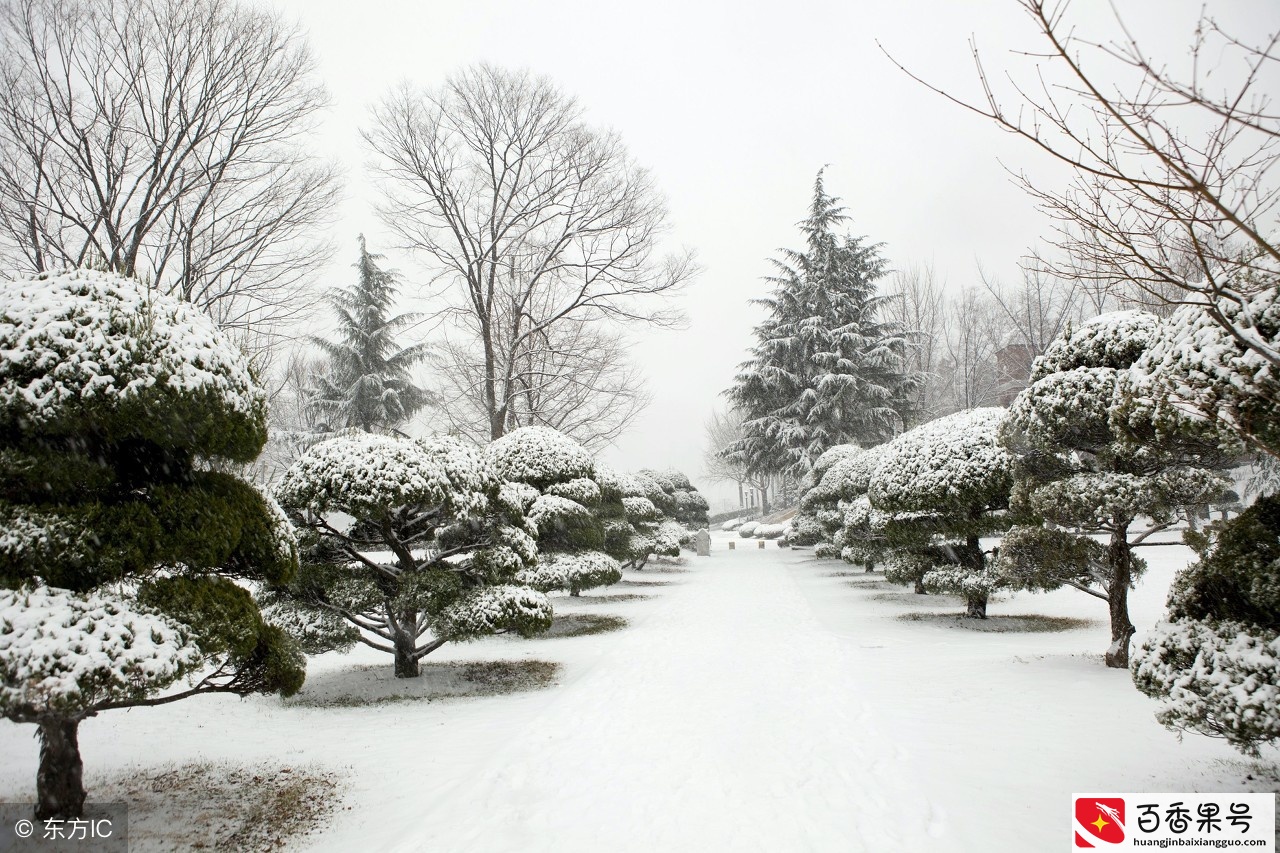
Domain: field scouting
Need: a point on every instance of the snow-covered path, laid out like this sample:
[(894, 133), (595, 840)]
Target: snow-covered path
[(759, 699), (728, 720)]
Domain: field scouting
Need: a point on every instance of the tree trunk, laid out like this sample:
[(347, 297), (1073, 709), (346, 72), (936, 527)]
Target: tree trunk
[(920, 590), (974, 560), (59, 780), (406, 646), (1120, 561)]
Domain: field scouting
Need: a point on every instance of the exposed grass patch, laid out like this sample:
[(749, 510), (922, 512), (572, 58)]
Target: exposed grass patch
[(611, 597), (581, 625), (1025, 623), (872, 584), (917, 600), (663, 569), (217, 806), (644, 583), (377, 685)]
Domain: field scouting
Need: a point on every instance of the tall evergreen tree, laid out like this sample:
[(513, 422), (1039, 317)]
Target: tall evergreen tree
[(826, 369), (368, 385)]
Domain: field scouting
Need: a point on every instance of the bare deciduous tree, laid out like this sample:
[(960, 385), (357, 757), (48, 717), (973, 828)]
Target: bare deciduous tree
[(917, 305), (574, 376), (1037, 310), (1175, 190), (724, 429), (975, 332), (163, 139), (531, 219)]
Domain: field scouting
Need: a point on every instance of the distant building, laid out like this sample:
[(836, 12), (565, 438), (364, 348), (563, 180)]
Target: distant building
[(1013, 370)]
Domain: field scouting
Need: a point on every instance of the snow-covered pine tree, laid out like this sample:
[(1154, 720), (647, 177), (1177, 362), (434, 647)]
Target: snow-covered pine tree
[(369, 384), (121, 545), (554, 477), (827, 367), (1091, 460), (435, 552), (945, 484)]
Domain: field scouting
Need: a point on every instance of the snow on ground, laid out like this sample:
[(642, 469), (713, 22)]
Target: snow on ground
[(759, 700)]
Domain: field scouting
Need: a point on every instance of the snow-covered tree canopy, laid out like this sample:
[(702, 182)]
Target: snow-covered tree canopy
[(1197, 370), (65, 652), (827, 367), (953, 465), (830, 457), (438, 539), (371, 475), (1090, 457), (1215, 665), (86, 347), (540, 456), (943, 485), (121, 541)]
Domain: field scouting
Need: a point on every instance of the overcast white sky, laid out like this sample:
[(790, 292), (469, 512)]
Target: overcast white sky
[(734, 106)]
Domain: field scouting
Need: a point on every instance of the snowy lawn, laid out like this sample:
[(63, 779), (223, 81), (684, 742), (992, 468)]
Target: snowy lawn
[(761, 700)]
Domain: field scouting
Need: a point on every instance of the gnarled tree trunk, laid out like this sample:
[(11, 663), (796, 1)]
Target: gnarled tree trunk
[(406, 644), (972, 558), (59, 780), (1120, 561)]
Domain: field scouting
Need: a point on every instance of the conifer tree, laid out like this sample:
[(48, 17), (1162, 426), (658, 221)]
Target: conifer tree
[(369, 385), (826, 368), (122, 546), (1091, 460), (434, 555)]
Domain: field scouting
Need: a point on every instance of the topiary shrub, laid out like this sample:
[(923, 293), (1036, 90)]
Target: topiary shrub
[(435, 547), (120, 544)]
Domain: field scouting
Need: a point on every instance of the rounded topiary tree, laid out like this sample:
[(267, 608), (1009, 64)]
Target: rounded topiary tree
[(121, 548), (691, 507), (1215, 663), (945, 484), (1089, 457), (554, 476), (434, 553), (819, 516)]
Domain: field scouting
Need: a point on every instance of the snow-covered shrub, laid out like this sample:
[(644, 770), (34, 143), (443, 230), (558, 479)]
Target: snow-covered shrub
[(845, 477), (432, 530), (731, 525), (120, 536), (494, 609), (1089, 458), (582, 490), (944, 485), (573, 501), (1215, 664), (540, 457), (574, 572), (645, 512), (747, 530), (1196, 373), (769, 531), (669, 538)]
